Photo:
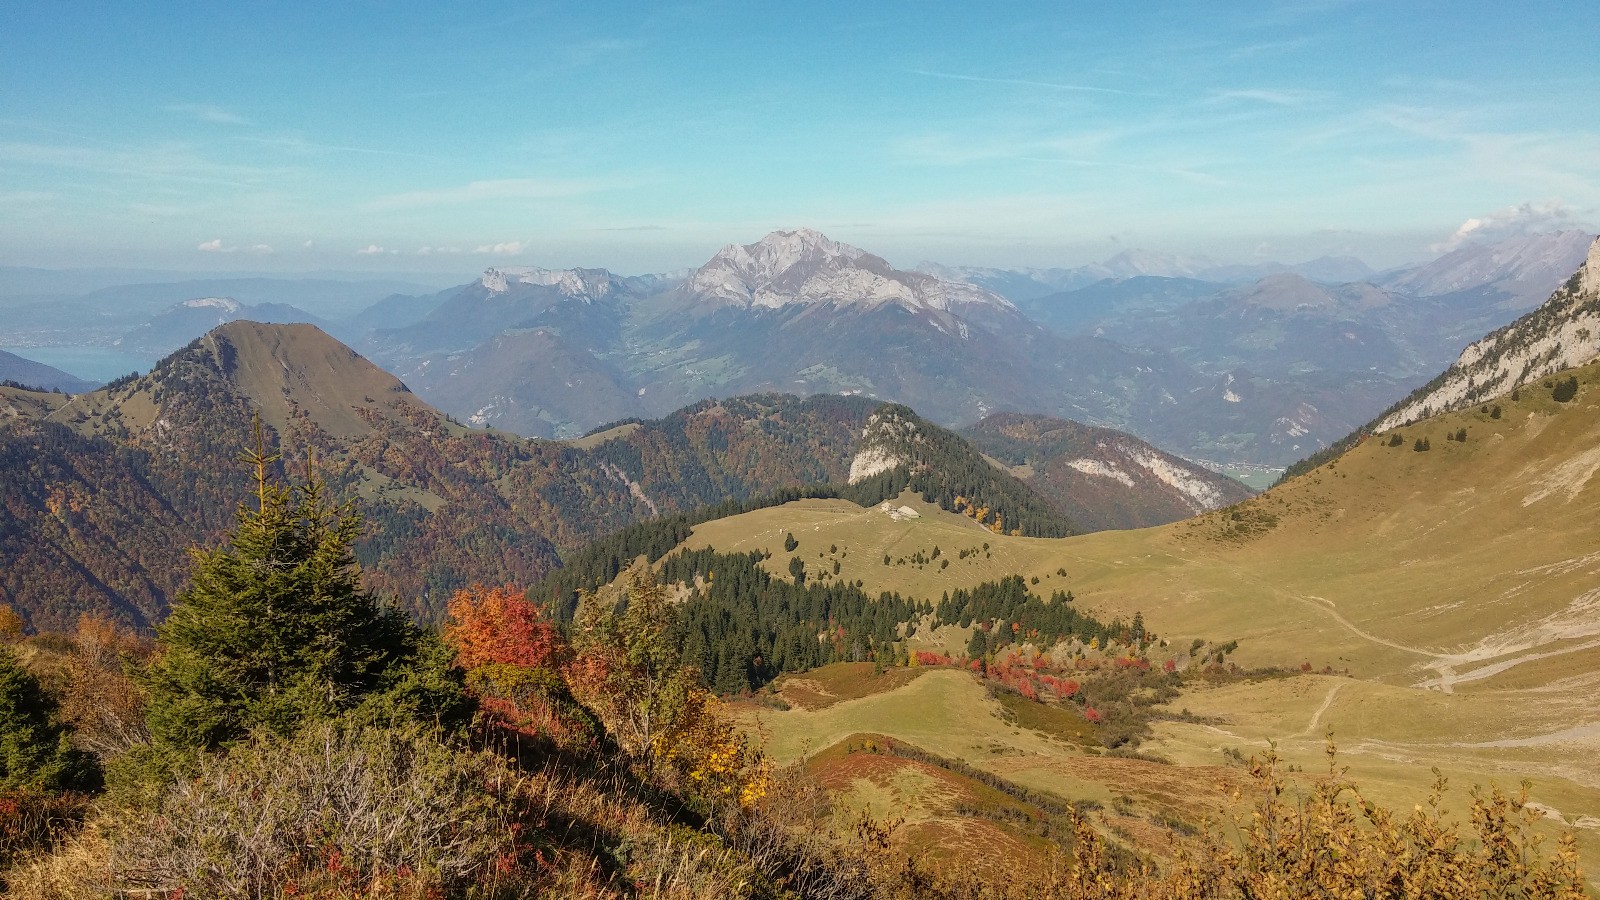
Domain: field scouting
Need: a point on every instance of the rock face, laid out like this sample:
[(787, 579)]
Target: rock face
[(1562, 333), (587, 285), (806, 267), (1100, 478), (885, 444), (1519, 270)]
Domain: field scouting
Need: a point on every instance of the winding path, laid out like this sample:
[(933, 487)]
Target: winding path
[(1327, 702)]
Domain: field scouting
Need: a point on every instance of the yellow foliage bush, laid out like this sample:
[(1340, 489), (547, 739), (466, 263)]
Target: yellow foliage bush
[(1332, 843), (714, 756)]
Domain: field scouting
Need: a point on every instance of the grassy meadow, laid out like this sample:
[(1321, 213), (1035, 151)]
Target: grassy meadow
[(1458, 586)]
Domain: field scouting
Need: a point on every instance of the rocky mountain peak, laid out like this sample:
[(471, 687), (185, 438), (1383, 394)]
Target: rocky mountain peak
[(804, 266), (1589, 275), (1519, 265), (584, 284), (1563, 333), (885, 443)]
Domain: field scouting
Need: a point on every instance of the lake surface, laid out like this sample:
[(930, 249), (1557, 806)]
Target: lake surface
[(88, 363)]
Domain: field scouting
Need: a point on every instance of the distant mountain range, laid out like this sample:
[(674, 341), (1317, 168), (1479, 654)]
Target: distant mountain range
[(177, 325), (19, 370), (128, 476), (1100, 478), (795, 312), (1518, 272), (1022, 284), (50, 309), (1241, 364), (1261, 365)]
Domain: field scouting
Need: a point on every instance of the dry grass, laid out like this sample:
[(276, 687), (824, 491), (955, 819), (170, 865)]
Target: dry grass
[(824, 686), (1460, 587)]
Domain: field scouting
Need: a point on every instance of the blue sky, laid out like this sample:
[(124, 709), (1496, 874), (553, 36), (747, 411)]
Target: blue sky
[(396, 136)]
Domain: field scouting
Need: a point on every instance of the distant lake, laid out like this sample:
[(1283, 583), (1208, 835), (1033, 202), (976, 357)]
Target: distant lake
[(88, 363)]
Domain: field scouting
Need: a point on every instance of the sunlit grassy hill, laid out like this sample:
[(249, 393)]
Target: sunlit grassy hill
[(1459, 586)]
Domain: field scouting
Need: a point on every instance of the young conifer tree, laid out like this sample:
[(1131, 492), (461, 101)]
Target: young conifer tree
[(274, 629), (35, 751)]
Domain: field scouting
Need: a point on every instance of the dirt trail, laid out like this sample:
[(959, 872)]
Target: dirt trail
[(1327, 702), (1327, 606)]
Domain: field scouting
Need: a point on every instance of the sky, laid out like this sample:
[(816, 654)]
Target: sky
[(641, 137)]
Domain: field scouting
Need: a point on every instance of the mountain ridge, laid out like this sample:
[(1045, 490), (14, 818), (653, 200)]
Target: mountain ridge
[(446, 504), (1101, 478), (1562, 333), (30, 373)]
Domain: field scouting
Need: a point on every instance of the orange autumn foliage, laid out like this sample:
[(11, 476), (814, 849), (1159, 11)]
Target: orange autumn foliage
[(517, 666), (499, 626)]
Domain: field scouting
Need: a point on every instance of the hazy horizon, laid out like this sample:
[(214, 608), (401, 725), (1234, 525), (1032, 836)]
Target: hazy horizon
[(423, 139)]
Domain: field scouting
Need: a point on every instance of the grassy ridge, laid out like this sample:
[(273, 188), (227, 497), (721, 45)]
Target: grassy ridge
[(1454, 584)]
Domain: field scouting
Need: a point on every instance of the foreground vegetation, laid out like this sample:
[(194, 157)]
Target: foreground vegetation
[(286, 735)]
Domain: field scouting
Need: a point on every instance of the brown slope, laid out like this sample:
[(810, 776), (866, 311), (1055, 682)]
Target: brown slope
[(1101, 478), (289, 373), (101, 496)]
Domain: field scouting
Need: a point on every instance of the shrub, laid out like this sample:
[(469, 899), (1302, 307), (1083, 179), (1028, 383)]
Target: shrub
[(1564, 391), (102, 699), (33, 820), (36, 752), (335, 805), (513, 656)]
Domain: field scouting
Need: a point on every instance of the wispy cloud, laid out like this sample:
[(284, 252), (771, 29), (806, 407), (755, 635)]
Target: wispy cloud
[(1024, 82), (216, 245), (206, 112), (301, 145), (373, 250), (505, 248), (1274, 97), (1269, 48), (438, 251), (167, 161), (24, 198), (496, 190)]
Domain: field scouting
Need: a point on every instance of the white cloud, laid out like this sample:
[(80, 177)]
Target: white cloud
[(216, 245), (372, 250), (443, 251), (506, 248), (1513, 221)]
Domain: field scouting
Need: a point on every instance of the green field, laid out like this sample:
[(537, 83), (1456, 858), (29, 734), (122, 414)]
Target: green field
[(1459, 587)]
